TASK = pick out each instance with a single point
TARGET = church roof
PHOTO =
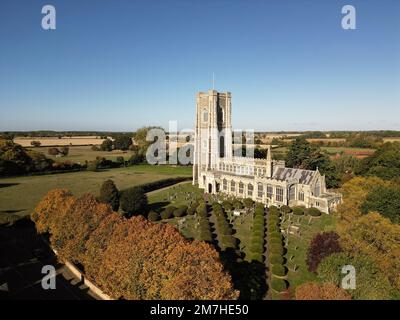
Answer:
(304, 176)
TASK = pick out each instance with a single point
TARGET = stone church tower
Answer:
(213, 131)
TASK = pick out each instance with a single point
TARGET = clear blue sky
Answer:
(122, 64)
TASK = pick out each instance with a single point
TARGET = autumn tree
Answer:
(50, 209)
(109, 194)
(131, 259)
(324, 291)
(83, 217)
(377, 237)
(354, 193)
(321, 246)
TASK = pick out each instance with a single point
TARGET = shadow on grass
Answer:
(6, 185)
(248, 277)
(12, 211)
(158, 206)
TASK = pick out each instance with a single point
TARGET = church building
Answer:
(216, 169)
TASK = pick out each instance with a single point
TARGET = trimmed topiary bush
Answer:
(229, 241)
(180, 211)
(298, 211)
(278, 285)
(256, 257)
(202, 210)
(286, 209)
(314, 212)
(278, 270)
(227, 205)
(275, 259)
(276, 249)
(109, 194)
(134, 202)
(166, 215)
(153, 216)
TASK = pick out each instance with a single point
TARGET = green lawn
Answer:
(243, 225)
(20, 195)
(180, 194)
(298, 245)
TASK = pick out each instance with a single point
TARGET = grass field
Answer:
(82, 153)
(298, 246)
(20, 195)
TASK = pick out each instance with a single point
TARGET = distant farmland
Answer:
(62, 141)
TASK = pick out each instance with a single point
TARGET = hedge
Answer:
(275, 234)
(256, 257)
(276, 249)
(278, 285)
(205, 235)
(278, 270)
(202, 210)
(275, 241)
(229, 241)
(314, 212)
(276, 259)
(153, 216)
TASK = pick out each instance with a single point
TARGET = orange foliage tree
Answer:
(131, 259)
(324, 291)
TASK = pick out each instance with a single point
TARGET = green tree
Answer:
(122, 142)
(384, 163)
(299, 151)
(109, 194)
(134, 202)
(385, 200)
(106, 145)
(371, 283)
(64, 150)
(303, 155)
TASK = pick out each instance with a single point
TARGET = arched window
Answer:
(233, 186)
(225, 184)
(241, 185)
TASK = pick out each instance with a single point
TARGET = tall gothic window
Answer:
(301, 196)
(270, 191)
(225, 184)
(260, 190)
(317, 189)
(250, 190)
(241, 187)
(279, 194)
(233, 186)
(292, 192)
